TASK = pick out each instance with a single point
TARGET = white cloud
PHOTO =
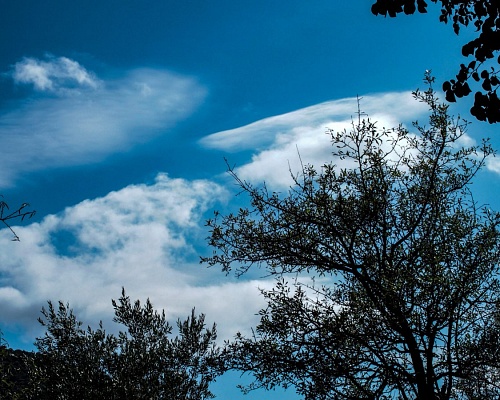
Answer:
(85, 119)
(54, 75)
(493, 164)
(140, 237)
(392, 108)
(279, 140)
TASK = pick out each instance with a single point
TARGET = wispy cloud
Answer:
(281, 142)
(141, 237)
(83, 119)
(390, 108)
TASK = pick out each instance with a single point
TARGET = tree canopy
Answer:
(484, 15)
(387, 269)
(142, 362)
(13, 371)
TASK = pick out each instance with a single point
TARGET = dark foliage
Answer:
(143, 362)
(484, 16)
(14, 376)
(387, 270)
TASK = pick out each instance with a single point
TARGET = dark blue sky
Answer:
(255, 59)
(227, 41)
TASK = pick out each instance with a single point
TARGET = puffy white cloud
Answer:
(84, 119)
(54, 75)
(282, 141)
(142, 238)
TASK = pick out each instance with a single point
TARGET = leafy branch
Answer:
(6, 215)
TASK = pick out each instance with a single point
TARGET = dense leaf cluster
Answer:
(403, 303)
(14, 377)
(142, 362)
(484, 16)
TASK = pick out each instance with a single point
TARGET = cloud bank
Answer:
(281, 142)
(74, 118)
(142, 238)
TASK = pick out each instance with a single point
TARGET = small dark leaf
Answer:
(422, 6)
(446, 86)
(488, 23)
(493, 115)
(450, 97)
(468, 49)
(486, 85)
(479, 9)
(475, 76)
(480, 99)
(462, 75)
(494, 80)
(409, 8)
(480, 54)
(377, 10)
(478, 112)
(466, 89)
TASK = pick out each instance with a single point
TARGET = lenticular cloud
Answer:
(281, 144)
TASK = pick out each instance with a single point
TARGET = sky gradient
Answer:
(116, 117)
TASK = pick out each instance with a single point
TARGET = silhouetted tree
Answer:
(392, 267)
(6, 216)
(143, 362)
(484, 15)
(13, 374)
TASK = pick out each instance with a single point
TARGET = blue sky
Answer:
(116, 116)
